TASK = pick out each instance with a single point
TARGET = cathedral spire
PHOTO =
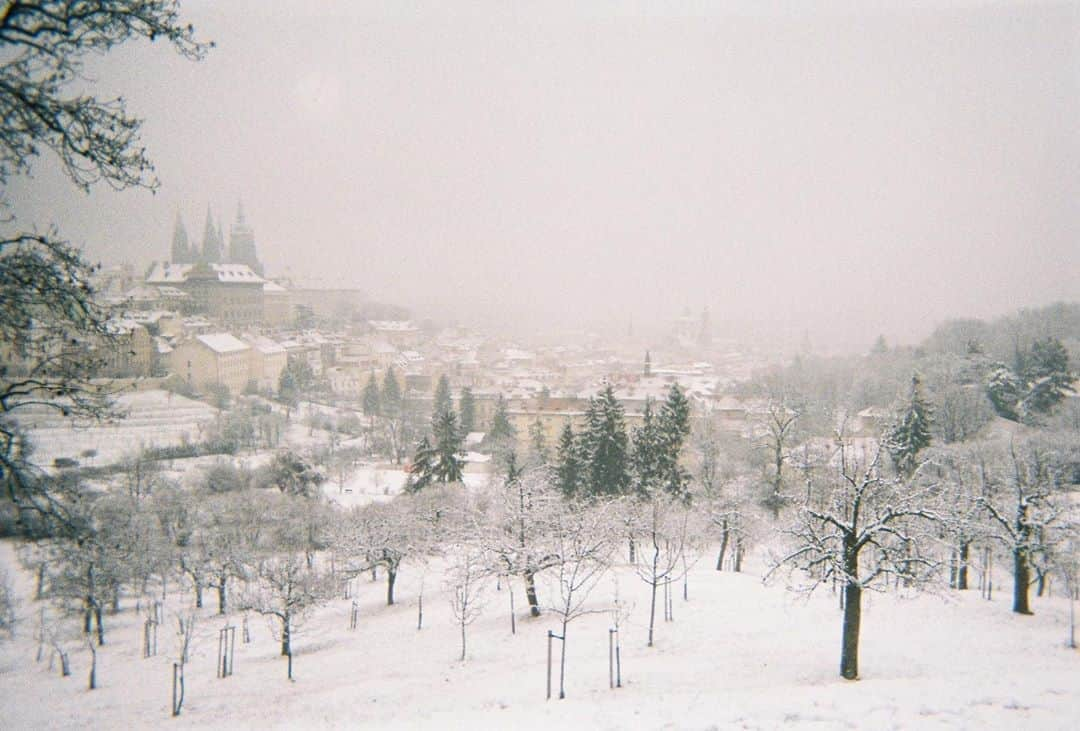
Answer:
(211, 248)
(181, 251)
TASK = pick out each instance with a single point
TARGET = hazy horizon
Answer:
(844, 172)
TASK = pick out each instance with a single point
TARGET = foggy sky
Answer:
(857, 169)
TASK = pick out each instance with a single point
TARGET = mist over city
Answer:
(844, 169)
(535, 365)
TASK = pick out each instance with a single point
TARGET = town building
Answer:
(208, 360)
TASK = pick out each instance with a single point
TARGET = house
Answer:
(208, 360)
(266, 360)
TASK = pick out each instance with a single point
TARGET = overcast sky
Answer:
(858, 168)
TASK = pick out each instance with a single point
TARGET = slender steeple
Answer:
(181, 250)
(242, 242)
(211, 248)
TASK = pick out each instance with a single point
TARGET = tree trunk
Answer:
(530, 593)
(632, 550)
(652, 612)
(1040, 582)
(723, 545)
(562, 664)
(222, 593)
(100, 626)
(391, 577)
(198, 595)
(738, 554)
(1021, 580)
(286, 636)
(39, 588)
(463, 641)
(849, 651)
(962, 571)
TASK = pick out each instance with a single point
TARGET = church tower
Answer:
(242, 243)
(181, 249)
(211, 248)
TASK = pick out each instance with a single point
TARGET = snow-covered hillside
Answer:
(738, 655)
(152, 418)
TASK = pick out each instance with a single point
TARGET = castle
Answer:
(241, 249)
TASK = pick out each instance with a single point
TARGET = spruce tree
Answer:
(370, 401)
(390, 398)
(449, 466)
(910, 434)
(467, 410)
(538, 450)
(646, 458)
(422, 471)
(606, 444)
(442, 402)
(1046, 370)
(502, 434)
(674, 428)
(568, 467)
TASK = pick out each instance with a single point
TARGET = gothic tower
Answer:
(181, 250)
(242, 243)
(211, 248)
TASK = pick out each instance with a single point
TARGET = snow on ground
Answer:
(738, 655)
(378, 483)
(154, 418)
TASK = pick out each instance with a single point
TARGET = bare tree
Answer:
(465, 583)
(283, 586)
(860, 528)
(666, 526)
(1026, 505)
(779, 422)
(583, 541)
(517, 533)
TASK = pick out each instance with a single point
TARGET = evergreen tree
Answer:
(502, 434)
(606, 444)
(422, 471)
(1004, 389)
(568, 468)
(370, 402)
(646, 458)
(538, 450)
(442, 402)
(287, 390)
(1039, 382)
(449, 466)
(910, 434)
(467, 410)
(1046, 370)
(390, 398)
(674, 428)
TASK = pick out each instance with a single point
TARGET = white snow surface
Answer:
(154, 418)
(738, 655)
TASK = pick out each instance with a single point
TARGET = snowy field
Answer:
(154, 418)
(378, 484)
(737, 655)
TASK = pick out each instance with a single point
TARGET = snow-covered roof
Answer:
(163, 272)
(222, 342)
(264, 345)
(273, 288)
